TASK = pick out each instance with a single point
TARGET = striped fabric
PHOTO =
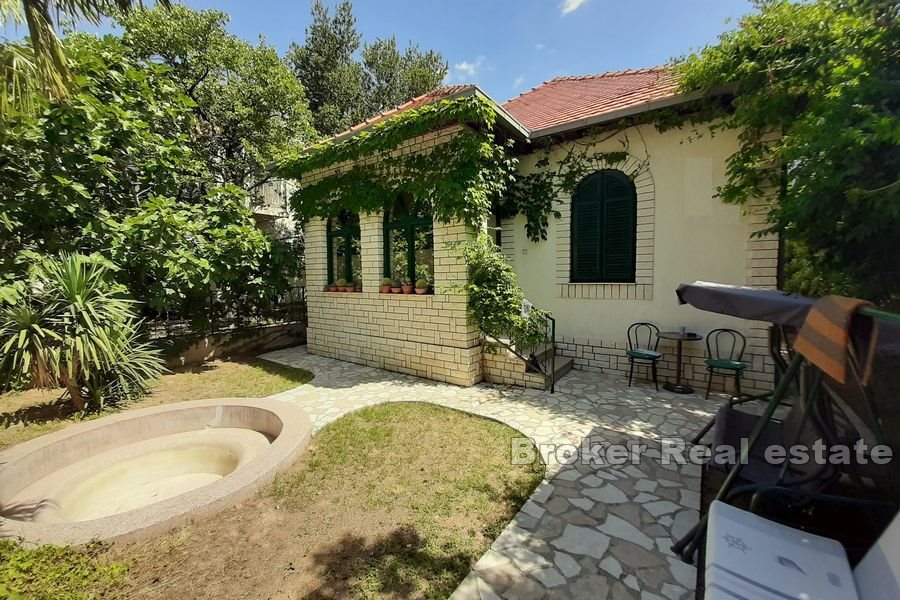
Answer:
(833, 331)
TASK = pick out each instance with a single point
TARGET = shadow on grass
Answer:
(394, 565)
(45, 412)
(294, 374)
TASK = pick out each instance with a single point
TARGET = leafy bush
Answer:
(56, 572)
(67, 326)
(115, 170)
(495, 298)
(171, 252)
(825, 74)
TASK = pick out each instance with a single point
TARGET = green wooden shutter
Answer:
(604, 223)
(619, 228)
(586, 226)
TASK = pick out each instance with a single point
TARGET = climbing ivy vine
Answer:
(462, 179)
(459, 179)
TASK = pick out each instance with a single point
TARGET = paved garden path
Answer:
(589, 530)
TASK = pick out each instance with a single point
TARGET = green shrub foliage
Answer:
(67, 325)
(495, 297)
(825, 74)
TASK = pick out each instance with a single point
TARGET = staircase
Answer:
(535, 367)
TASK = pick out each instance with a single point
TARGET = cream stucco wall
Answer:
(684, 234)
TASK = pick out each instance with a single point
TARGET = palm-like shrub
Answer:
(68, 326)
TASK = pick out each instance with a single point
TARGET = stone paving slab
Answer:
(590, 529)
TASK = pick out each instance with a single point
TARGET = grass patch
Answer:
(57, 573)
(30, 414)
(393, 501)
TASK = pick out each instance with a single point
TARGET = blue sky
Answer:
(510, 46)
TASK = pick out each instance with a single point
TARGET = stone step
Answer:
(563, 365)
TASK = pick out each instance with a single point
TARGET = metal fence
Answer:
(217, 315)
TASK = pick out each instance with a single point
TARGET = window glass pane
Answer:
(424, 237)
(344, 247)
(340, 249)
(356, 262)
(399, 254)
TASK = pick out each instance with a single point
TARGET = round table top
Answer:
(687, 336)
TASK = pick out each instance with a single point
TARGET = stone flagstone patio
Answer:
(589, 530)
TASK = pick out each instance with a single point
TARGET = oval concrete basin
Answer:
(143, 471)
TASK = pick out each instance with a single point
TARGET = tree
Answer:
(41, 66)
(112, 171)
(68, 325)
(174, 252)
(825, 74)
(393, 78)
(344, 89)
(249, 107)
(120, 137)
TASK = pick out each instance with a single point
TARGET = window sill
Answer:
(429, 294)
(605, 291)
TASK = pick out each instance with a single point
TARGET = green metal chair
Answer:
(643, 340)
(725, 348)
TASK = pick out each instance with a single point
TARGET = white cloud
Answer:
(468, 70)
(518, 82)
(539, 46)
(569, 6)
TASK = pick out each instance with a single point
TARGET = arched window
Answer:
(343, 248)
(604, 229)
(408, 241)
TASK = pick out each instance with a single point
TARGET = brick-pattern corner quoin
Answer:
(642, 289)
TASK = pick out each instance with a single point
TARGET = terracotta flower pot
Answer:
(333, 288)
(407, 289)
(396, 290)
(385, 289)
(421, 290)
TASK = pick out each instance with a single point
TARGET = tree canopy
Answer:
(249, 107)
(40, 67)
(348, 81)
(825, 75)
(112, 170)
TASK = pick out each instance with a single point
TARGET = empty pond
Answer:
(143, 471)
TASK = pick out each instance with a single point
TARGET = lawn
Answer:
(393, 501)
(34, 413)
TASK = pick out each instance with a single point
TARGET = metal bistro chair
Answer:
(643, 340)
(725, 349)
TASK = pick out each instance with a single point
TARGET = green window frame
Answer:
(344, 230)
(604, 229)
(410, 223)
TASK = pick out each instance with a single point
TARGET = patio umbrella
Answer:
(758, 304)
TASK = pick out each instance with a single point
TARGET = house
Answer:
(642, 219)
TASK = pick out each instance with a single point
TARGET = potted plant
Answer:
(332, 287)
(358, 286)
(395, 286)
(386, 285)
(407, 286)
(350, 287)
(422, 286)
(342, 285)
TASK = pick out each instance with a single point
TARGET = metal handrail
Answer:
(529, 357)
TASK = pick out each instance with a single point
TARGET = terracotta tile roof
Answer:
(434, 95)
(566, 99)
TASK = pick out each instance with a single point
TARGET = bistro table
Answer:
(680, 386)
